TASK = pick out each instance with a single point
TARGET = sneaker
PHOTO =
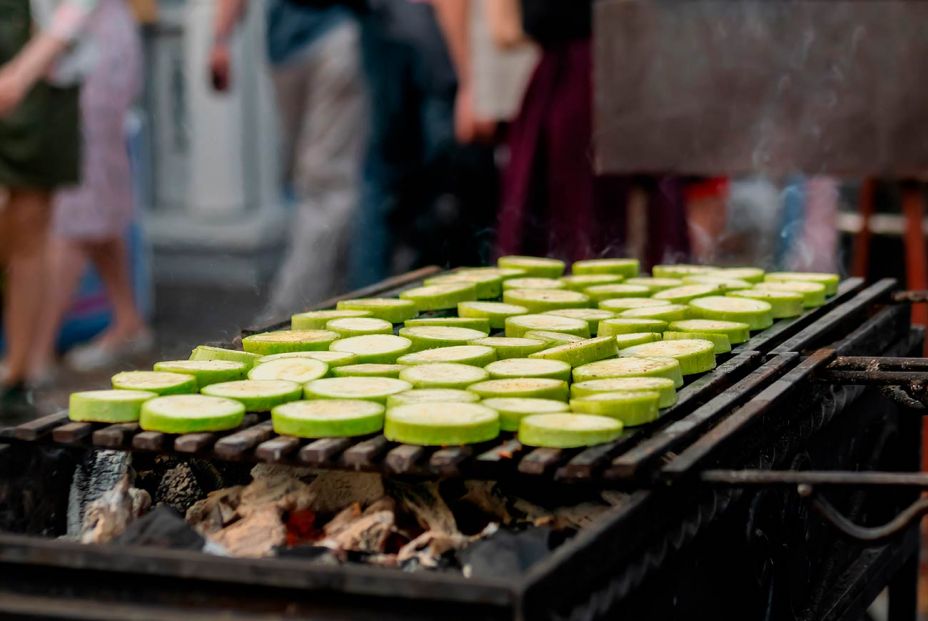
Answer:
(93, 356)
(16, 405)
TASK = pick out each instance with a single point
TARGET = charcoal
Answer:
(505, 553)
(109, 515)
(425, 502)
(162, 527)
(254, 536)
(333, 491)
(179, 488)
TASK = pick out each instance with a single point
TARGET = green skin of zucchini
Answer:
(343, 358)
(783, 305)
(368, 370)
(449, 298)
(685, 293)
(288, 422)
(481, 324)
(375, 357)
(531, 434)
(316, 320)
(552, 339)
(321, 389)
(691, 363)
(619, 305)
(810, 299)
(262, 403)
(397, 311)
(516, 328)
(635, 338)
(481, 359)
(626, 268)
(498, 370)
(548, 269)
(722, 345)
(534, 301)
(256, 344)
(427, 432)
(487, 287)
(204, 377)
(656, 284)
(466, 376)
(185, 385)
(206, 352)
(496, 318)
(545, 389)
(512, 411)
(632, 408)
(422, 341)
(584, 352)
(590, 315)
(87, 407)
(620, 325)
(830, 281)
(736, 334)
(345, 332)
(755, 320)
(432, 395)
(153, 420)
(669, 368)
(582, 281)
(671, 312)
(504, 352)
(612, 292)
(661, 385)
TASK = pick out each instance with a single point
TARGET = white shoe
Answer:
(93, 356)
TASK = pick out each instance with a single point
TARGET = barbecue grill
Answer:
(781, 485)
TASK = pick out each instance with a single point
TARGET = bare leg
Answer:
(111, 260)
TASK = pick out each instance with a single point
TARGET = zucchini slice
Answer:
(627, 268)
(505, 273)
(441, 424)
(533, 283)
(432, 395)
(487, 286)
(528, 367)
(541, 300)
(494, 312)
(206, 372)
(721, 342)
(107, 406)
(618, 305)
(723, 284)
(552, 339)
(694, 355)
(682, 295)
(512, 410)
(630, 367)
(783, 304)
(590, 315)
(369, 369)
(440, 297)
(506, 347)
(813, 293)
(579, 282)
(432, 337)
(580, 353)
(476, 354)
(257, 395)
(736, 331)
(671, 312)
(365, 388)
(568, 430)
(750, 274)
(443, 375)
(661, 385)
(756, 313)
(474, 323)
(380, 348)
(829, 280)
(633, 408)
(388, 309)
(299, 370)
(540, 387)
(359, 326)
(655, 284)
(316, 320)
(281, 341)
(158, 382)
(533, 266)
(191, 414)
(628, 325)
(599, 293)
(636, 338)
(331, 358)
(680, 270)
(208, 352)
(328, 418)
(520, 324)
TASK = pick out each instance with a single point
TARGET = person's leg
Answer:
(111, 260)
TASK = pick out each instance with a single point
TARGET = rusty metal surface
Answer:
(717, 87)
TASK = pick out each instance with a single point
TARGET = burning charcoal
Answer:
(505, 553)
(301, 527)
(179, 488)
(486, 496)
(216, 511)
(97, 473)
(342, 520)
(256, 535)
(333, 491)
(110, 514)
(368, 533)
(426, 504)
(280, 486)
(162, 527)
(428, 548)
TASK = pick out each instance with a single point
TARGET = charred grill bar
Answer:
(713, 522)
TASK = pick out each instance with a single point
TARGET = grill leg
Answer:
(903, 591)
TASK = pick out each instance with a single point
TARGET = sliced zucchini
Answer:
(158, 382)
(829, 280)
(736, 331)
(682, 295)
(441, 424)
(487, 286)
(630, 367)
(671, 312)
(432, 395)
(813, 293)
(316, 320)
(534, 283)
(540, 387)
(328, 418)
(680, 270)
(440, 297)
(506, 347)
(694, 355)
(756, 313)
(206, 372)
(365, 388)
(533, 266)
(478, 354)
(655, 284)
(598, 293)
(208, 352)
(661, 385)
(632, 408)
(617, 305)
(636, 338)
(299, 370)
(541, 300)
(369, 369)
(627, 268)
(267, 343)
(628, 325)
(505, 273)
(257, 395)
(512, 410)
(583, 352)
(551, 339)
(528, 367)
(331, 358)
(494, 312)
(443, 375)
(388, 309)
(783, 304)
(579, 282)
(568, 430)
(359, 326)
(191, 414)
(721, 342)
(432, 337)
(474, 323)
(107, 406)
(723, 284)
(590, 315)
(520, 324)
(750, 274)
(379, 348)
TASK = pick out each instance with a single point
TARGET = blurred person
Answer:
(313, 48)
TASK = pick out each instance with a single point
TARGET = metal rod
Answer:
(814, 478)
(841, 376)
(870, 534)
(910, 297)
(878, 363)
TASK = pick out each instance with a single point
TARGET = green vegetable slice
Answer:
(723, 284)
(618, 305)
(721, 342)
(440, 297)
(519, 325)
(541, 300)
(494, 312)
(783, 304)
(632, 408)
(316, 320)
(655, 284)
(829, 280)
(628, 325)
(600, 293)
(328, 418)
(205, 372)
(671, 312)
(441, 424)
(487, 286)
(431, 337)
(630, 367)
(369, 369)
(432, 395)
(755, 313)
(627, 268)
(682, 295)
(540, 387)
(208, 352)
(750, 274)
(512, 410)
(158, 382)
(813, 293)
(443, 375)
(380, 348)
(299, 370)
(661, 385)
(477, 354)
(534, 283)
(365, 388)
(505, 273)
(694, 355)
(359, 326)
(579, 282)
(580, 353)
(257, 395)
(191, 414)
(107, 406)
(528, 367)
(388, 309)
(635, 338)
(736, 331)
(533, 266)
(506, 347)
(474, 323)
(331, 358)
(568, 430)
(680, 270)
(590, 315)
(267, 343)
(551, 339)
